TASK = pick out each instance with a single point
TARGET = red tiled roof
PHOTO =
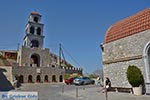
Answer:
(129, 26)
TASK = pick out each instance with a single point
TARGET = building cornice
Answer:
(122, 59)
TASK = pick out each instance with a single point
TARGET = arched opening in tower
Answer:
(34, 43)
(36, 19)
(32, 30)
(35, 60)
(38, 31)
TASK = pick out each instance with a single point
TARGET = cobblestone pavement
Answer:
(71, 92)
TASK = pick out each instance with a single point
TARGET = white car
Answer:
(83, 81)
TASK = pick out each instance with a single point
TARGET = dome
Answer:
(35, 13)
(129, 26)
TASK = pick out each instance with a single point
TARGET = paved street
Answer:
(69, 92)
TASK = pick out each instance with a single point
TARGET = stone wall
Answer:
(73, 70)
(25, 53)
(118, 55)
(126, 47)
(34, 71)
(117, 71)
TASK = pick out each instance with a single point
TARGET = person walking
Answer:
(107, 85)
(98, 81)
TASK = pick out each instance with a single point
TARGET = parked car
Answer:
(69, 81)
(83, 81)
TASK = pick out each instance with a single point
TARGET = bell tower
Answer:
(34, 31)
(34, 62)
(32, 53)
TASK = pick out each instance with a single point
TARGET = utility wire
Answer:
(73, 59)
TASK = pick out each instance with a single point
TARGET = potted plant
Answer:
(135, 78)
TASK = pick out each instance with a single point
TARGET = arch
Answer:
(30, 79)
(38, 78)
(32, 29)
(36, 19)
(60, 78)
(38, 31)
(53, 78)
(21, 77)
(35, 60)
(53, 66)
(34, 43)
(146, 59)
(46, 78)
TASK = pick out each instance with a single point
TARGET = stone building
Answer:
(32, 62)
(127, 42)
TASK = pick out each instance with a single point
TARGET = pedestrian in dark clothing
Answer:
(107, 85)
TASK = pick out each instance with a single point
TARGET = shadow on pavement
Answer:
(5, 84)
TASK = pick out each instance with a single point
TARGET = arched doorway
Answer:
(21, 78)
(60, 78)
(38, 79)
(46, 78)
(146, 59)
(35, 60)
(30, 79)
(54, 78)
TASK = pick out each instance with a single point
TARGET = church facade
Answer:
(32, 62)
(127, 42)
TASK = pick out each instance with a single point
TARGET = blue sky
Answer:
(79, 25)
